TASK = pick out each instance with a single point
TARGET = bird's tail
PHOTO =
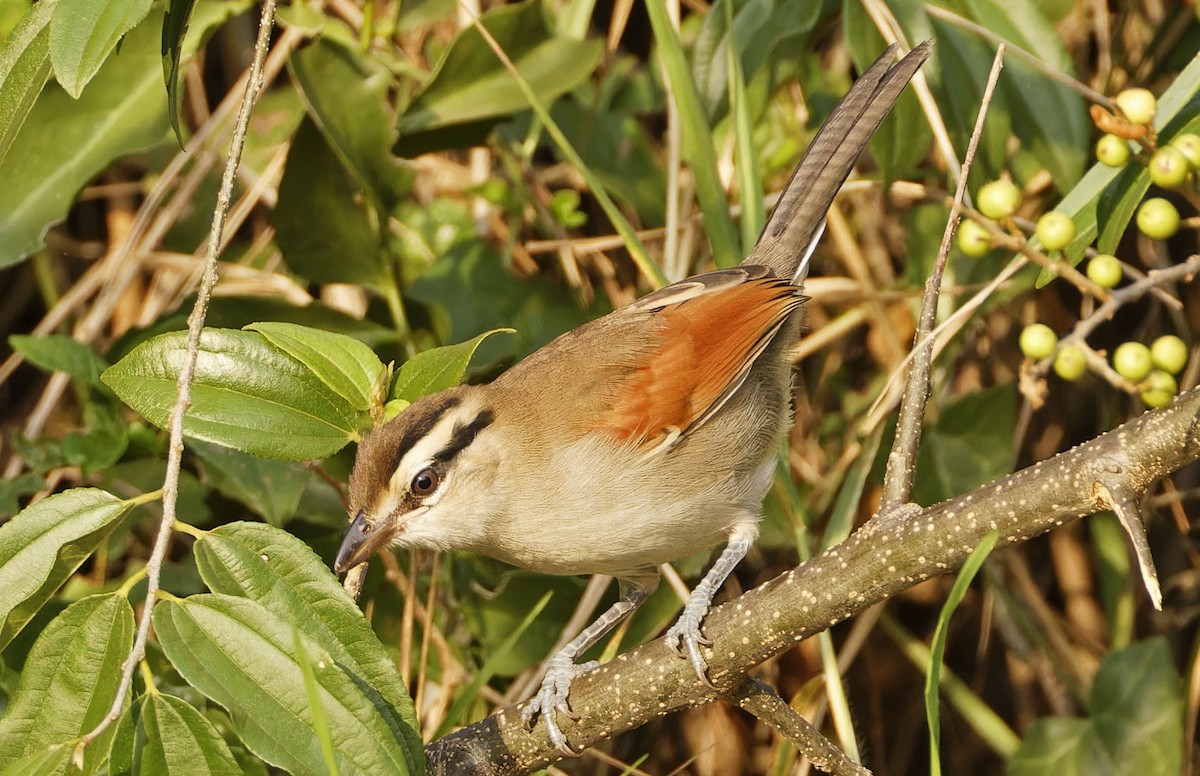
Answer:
(787, 241)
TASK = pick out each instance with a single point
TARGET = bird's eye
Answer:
(425, 483)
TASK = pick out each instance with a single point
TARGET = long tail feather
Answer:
(792, 232)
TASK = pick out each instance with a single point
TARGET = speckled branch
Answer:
(887, 555)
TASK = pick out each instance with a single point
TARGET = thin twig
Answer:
(902, 461)
(763, 702)
(183, 398)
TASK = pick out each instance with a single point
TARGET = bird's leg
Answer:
(561, 669)
(685, 633)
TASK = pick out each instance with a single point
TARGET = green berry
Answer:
(1038, 341)
(1188, 145)
(973, 239)
(1104, 270)
(998, 199)
(1169, 167)
(1159, 389)
(1157, 218)
(1169, 353)
(1138, 105)
(1112, 151)
(1132, 361)
(1070, 363)
(1055, 230)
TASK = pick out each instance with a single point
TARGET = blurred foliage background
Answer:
(397, 188)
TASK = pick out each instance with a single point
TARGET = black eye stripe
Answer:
(420, 429)
(464, 435)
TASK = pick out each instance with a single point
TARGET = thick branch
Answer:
(881, 559)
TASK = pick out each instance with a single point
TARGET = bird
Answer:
(637, 439)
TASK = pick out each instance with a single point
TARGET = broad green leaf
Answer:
(84, 32)
(282, 573)
(615, 149)
(235, 312)
(1135, 723)
(70, 679)
(163, 735)
(42, 546)
(64, 142)
(698, 148)
(48, 762)
(60, 353)
(346, 92)
(175, 24)
(261, 685)
(471, 87)
(346, 366)
(325, 232)
(474, 293)
(969, 446)
(437, 369)
(272, 489)
(24, 68)
(1050, 119)
(246, 395)
(758, 27)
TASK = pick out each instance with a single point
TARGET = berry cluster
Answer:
(1175, 165)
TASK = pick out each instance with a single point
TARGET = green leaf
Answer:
(437, 369)
(970, 445)
(164, 735)
(325, 232)
(1050, 119)
(346, 366)
(70, 679)
(698, 148)
(64, 142)
(48, 762)
(60, 353)
(475, 293)
(933, 679)
(758, 27)
(346, 92)
(247, 395)
(1135, 723)
(43, 545)
(261, 685)
(277, 570)
(84, 32)
(615, 149)
(272, 489)
(175, 25)
(471, 88)
(24, 68)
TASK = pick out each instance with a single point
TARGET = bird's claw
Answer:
(551, 700)
(685, 633)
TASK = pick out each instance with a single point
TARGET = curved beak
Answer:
(360, 541)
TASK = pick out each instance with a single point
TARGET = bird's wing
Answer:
(712, 328)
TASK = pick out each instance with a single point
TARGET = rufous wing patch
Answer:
(708, 344)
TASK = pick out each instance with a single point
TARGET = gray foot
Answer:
(551, 700)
